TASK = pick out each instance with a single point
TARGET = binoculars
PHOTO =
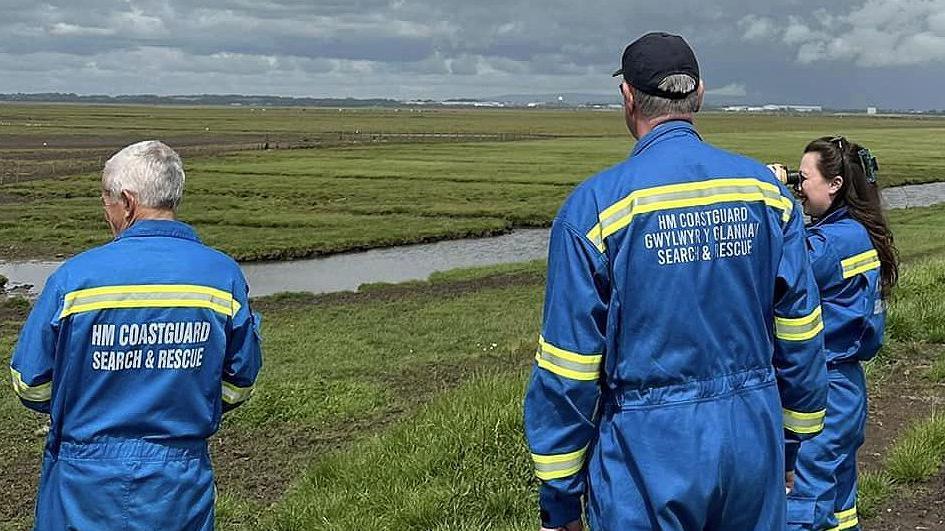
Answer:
(787, 176)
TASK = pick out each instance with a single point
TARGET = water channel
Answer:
(348, 271)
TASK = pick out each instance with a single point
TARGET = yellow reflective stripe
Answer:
(148, 288)
(153, 303)
(233, 394)
(149, 296)
(565, 363)
(799, 328)
(846, 519)
(682, 195)
(596, 237)
(860, 263)
(804, 423)
(556, 466)
(34, 393)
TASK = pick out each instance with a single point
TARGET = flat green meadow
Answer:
(293, 203)
(399, 406)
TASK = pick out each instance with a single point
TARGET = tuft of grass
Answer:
(919, 453)
(936, 372)
(873, 489)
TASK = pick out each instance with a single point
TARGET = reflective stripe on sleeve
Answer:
(860, 263)
(568, 364)
(556, 466)
(804, 423)
(233, 394)
(799, 328)
(149, 296)
(33, 393)
(846, 519)
(683, 195)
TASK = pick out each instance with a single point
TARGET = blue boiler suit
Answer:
(681, 344)
(135, 349)
(847, 269)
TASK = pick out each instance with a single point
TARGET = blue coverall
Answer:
(135, 349)
(681, 332)
(847, 269)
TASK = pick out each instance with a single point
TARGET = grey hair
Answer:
(151, 170)
(654, 106)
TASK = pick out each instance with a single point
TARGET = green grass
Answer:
(260, 205)
(401, 407)
(918, 308)
(461, 463)
(916, 456)
(337, 369)
(874, 489)
(919, 453)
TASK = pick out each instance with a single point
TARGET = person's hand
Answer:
(779, 171)
(576, 525)
(788, 481)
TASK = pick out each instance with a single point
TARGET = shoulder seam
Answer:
(588, 245)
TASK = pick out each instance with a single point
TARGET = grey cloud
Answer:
(877, 33)
(445, 48)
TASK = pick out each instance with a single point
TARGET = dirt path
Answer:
(923, 508)
(901, 395)
(898, 396)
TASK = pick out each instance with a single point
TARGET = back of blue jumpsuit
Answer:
(847, 269)
(135, 349)
(681, 342)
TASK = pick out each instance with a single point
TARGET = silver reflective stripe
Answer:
(860, 263)
(685, 195)
(149, 296)
(567, 467)
(179, 295)
(799, 328)
(846, 519)
(33, 393)
(682, 195)
(589, 367)
(804, 423)
(566, 363)
(548, 467)
(233, 394)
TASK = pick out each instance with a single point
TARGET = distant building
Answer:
(871, 110)
(774, 108)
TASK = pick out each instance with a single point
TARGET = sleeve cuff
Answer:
(558, 510)
(791, 449)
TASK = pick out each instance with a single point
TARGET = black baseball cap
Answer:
(648, 60)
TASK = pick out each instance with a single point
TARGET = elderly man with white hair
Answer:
(135, 349)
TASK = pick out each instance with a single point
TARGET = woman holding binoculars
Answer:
(856, 265)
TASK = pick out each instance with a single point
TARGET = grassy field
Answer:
(400, 406)
(404, 402)
(281, 204)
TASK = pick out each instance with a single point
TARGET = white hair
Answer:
(655, 106)
(149, 169)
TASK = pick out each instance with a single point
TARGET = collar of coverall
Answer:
(670, 129)
(159, 227)
(835, 214)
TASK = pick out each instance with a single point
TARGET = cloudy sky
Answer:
(850, 53)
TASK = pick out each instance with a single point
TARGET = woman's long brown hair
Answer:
(838, 156)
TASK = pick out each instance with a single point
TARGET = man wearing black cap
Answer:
(682, 343)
